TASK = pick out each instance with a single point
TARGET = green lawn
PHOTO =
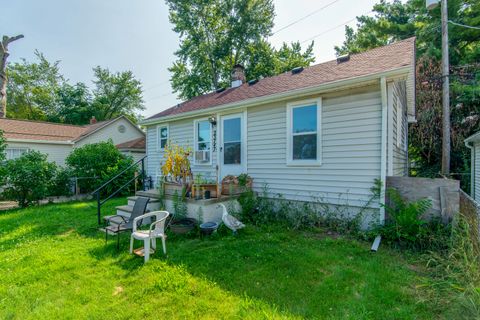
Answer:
(55, 265)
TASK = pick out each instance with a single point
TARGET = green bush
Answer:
(98, 163)
(406, 227)
(62, 183)
(29, 178)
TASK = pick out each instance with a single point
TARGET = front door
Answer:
(232, 145)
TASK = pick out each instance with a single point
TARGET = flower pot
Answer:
(233, 189)
(183, 226)
(170, 188)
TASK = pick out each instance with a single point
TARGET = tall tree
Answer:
(3, 71)
(395, 21)
(116, 94)
(214, 36)
(74, 104)
(33, 89)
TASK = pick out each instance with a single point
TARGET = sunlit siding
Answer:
(112, 132)
(180, 133)
(476, 179)
(55, 152)
(399, 129)
(351, 139)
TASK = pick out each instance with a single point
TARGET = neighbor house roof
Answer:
(136, 144)
(48, 131)
(376, 61)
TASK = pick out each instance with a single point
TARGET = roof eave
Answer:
(281, 96)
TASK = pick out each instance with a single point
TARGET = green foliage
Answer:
(397, 20)
(38, 91)
(29, 178)
(216, 35)
(116, 94)
(98, 163)
(180, 204)
(32, 88)
(407, 226)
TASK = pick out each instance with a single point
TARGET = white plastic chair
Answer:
(156, 230)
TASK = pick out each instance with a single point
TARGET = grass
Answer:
(54, 264)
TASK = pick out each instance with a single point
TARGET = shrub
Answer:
(29, 178)
(99, 162)
(406, 227)
(62, 183)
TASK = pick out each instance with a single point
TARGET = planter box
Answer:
(212, 187)
(232, 189)
(169, 188)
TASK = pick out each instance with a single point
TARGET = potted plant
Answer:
(235, 185)
(176, 170)
(181, 224)
(204, 188)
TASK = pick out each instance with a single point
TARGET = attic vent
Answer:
(252, 82)
(343, 58)
(220, 90)
(297, 70)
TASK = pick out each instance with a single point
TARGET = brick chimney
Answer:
(238, 75)
(93, 120)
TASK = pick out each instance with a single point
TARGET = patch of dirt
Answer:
(322, 234)
(7, 205)
(117, 291)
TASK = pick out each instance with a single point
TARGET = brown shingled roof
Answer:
(137, 144)
(38, 130)
(394, 56)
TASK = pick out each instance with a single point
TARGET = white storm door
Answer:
(232, 145)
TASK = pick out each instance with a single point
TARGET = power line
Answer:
(463, 25)
(304, 17)
(156, 85)
(161, 96)
(331, 29)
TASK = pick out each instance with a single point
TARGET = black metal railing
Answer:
(98, 191)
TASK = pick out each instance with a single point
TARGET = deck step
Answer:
(134, 198)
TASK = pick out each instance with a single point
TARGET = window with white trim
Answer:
(162, 134)
(14, 153)
(203, 141)
(303, 132)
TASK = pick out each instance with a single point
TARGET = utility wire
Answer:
(331, 29)
(305, 17)
(157, 85)
(463, 25)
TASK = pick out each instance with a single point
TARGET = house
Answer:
(58, 140)
(322, 133)
(473, 143)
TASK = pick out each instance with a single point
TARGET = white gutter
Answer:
(70, 143)
(281, 96)
(383, 155)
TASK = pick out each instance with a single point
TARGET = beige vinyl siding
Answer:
(400, 123)
(181, 133)
(56, 152)
(111, 132)
(476, 172)
(351, 143)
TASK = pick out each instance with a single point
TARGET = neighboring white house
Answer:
(473, 143)
(325, 132)
(58, 140)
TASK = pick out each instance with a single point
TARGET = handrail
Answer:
(118, 175)
(97, 191)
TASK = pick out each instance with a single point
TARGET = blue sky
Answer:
(136, 35)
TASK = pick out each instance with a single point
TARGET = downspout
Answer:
(390, 142)
(472, 168)
(383, 155)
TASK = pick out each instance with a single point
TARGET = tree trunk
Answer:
(3, 72)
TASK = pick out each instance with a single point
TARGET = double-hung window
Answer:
(203, 142)
(162, 137)
(14, 153)
(304, 132)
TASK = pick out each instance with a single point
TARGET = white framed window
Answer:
(203, 142)
(162, 136)
(14, 153)
(304, 140)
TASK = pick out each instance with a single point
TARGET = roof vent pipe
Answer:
(238, 75)
(343, 58)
